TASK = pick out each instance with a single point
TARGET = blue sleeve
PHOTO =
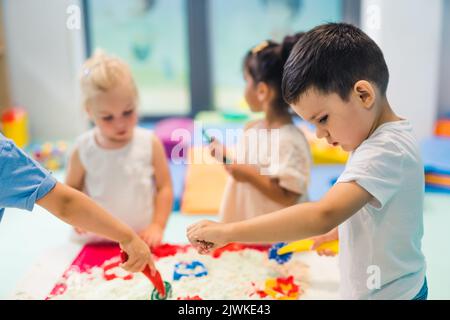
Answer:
(22, 180)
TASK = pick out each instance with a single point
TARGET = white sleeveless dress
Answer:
(120, 180)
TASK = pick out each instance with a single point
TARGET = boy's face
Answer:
(343, 123)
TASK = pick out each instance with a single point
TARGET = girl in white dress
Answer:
(271, 167)
(119, 165)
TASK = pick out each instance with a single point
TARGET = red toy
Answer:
(155, 279)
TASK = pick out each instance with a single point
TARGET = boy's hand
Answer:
(241, 172)
(206, 236)
(138, 255)
(217, 150)
(330, 236)
(152, 235)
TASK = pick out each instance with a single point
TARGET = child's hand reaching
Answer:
(330, 236)
(152, 235)
(217, 150)
(206, 236)
(241, 172)
(138, 255)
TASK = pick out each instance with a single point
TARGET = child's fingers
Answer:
(195, 226)
(193, 231)
(132, 265)
(329, 253)
(193, 242)
(207, 250)
(326, 252)
(155, 241)
(142, 234)
(146, 238)
(148, 241)
(203, 250)
(317, 241)
(229, 169)
(191, 234)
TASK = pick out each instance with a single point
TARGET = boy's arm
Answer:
(75, 174)
(163, 197)
(77, 209)
(75, 171)
(297, 222)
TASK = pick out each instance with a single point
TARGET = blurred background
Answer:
(187, 55)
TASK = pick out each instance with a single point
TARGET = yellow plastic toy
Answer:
(15, 126)
(306, 244)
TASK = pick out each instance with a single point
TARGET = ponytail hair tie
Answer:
(260, 47)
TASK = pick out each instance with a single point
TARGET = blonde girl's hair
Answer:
(101, 73)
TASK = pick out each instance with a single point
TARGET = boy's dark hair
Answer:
(265, 62)
(332, 58)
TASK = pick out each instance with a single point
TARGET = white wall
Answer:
(409, 33)
(444, 82)
(44, 59)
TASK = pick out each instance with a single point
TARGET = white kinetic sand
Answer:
(231, 276)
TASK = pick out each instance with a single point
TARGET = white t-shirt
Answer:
(384, 237)
(120, 180)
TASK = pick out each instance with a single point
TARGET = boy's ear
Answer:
(262, 91)
(365, 92)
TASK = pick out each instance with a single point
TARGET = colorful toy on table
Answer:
(279, 258)
(51, 156)
(282, 252)
(156, 295)
(280, 289)
(14, 124)
(189, 269)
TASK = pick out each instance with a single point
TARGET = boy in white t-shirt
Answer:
(336, 78)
